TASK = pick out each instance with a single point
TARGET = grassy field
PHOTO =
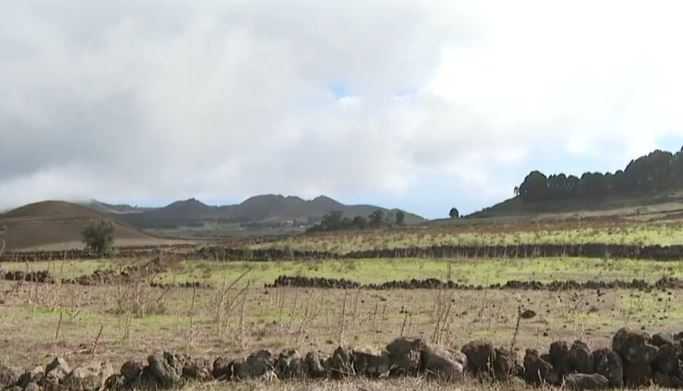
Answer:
(39, 320)
(466, 271)
(235, 316)
(137, 320)
(571, 232)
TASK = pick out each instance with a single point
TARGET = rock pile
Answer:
(524, 250)
(635, 359)
(129, 274)
(434, 283)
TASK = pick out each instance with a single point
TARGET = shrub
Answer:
(98, 236)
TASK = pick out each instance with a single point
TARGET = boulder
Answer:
(60, 363)
(504, 365)
(261, 364)
(480, 357)
(315, 366)
(175, 362)
(131, 371)
(166, 374)
(582, 381)
(35, 375)
(147, 379)
(441, 364)
(634, 347)
(580, 358)
(637, 375)
(661, 339)
(32, 387)
(290, 365)
(55, 372)
(239, 369)
(668, 381)
(666, 360)
(89, 377)
(559, 357)
(608, 363)
(8, 377)
(221, 369)
(536, 369)
(371, 363)
(115, 382)
(197, 369)
(404, 354)
(341, 364)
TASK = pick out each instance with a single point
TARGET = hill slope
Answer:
(653, 179)
(56, 222)
(258, 210)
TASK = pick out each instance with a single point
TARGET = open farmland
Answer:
(317, 292)
(575, 231)
(233, 313)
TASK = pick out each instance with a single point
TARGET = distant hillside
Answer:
(263, 210)
(651, 179)
(56, 222)
(116, 208)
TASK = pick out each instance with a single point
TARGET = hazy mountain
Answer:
(116, 208)
(261, 209)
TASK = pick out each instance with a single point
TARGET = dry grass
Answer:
(407, 384)
(486, 232)
(37, 320)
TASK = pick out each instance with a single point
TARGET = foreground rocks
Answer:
(635, 359)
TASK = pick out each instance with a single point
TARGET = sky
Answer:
(421, 105)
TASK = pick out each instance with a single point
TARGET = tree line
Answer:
(335, 221)
(655, 172)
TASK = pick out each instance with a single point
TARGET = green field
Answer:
(465, 271)
(469, 234)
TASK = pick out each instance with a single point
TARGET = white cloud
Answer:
(166, 99)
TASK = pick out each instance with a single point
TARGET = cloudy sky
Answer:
(421, 104)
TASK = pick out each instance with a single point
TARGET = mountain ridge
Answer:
(273, 209)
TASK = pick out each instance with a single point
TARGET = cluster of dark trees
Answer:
(335, 221)
(658, 171)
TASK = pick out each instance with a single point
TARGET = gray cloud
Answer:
(148, 100)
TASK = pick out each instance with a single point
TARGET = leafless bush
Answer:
(3, 229)
(225, 302)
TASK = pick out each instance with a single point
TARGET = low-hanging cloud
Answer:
(156, 100)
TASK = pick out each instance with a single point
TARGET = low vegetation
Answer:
(98, 236)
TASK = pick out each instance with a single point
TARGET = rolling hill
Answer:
(50, 223)
(650, 186)
(262, 210)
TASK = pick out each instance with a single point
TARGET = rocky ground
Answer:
(635, 359)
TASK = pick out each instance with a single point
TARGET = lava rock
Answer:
(89, 377)
(373, 364)
(314, 364)
(290, 365)
(165, 372)
(261, 364)
(480, 357)
(131, 371)
(441, 364)
(221, 369)
(404, 354)
(582, 381)
(580, 358)
(637, 375)
(609, 364)
(341, 364)
(536, 369)
(559, 357)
